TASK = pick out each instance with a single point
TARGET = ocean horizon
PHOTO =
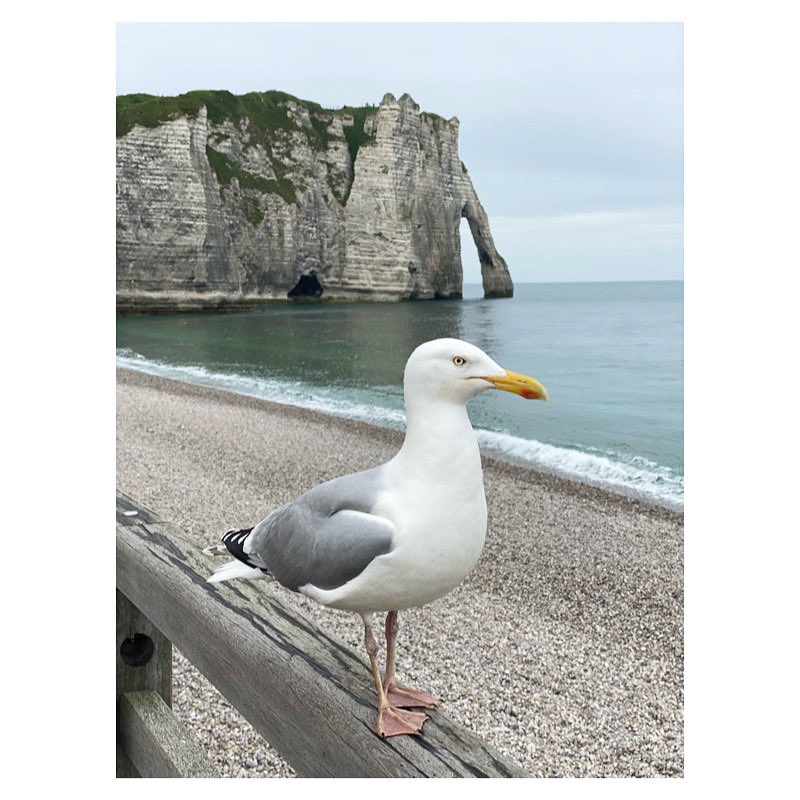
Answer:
(609, 353)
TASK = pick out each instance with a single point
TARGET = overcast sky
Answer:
(572, 132)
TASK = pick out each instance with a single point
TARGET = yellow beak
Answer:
(526, 387)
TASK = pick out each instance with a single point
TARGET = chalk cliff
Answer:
(225, 200)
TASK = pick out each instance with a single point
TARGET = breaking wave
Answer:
(632, 475)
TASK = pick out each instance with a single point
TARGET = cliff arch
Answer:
(494, 270)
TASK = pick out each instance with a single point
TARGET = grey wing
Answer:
(327, 536)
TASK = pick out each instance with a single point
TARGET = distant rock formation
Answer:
(225, 200)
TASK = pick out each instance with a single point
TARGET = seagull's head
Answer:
(456, 371)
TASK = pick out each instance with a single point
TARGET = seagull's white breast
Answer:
(436, 501)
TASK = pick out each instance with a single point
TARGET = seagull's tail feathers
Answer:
(245, 564)
(236, 569)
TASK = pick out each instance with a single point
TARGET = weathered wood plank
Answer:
(308, 695)
(155, 741)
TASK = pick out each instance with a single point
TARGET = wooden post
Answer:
(144, 654)
(151, 742)
(147, 664)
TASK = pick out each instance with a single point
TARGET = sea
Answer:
(609, 354)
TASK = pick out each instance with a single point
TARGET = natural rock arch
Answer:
(494, 270)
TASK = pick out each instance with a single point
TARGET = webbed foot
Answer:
(396, 722)
(405, 697)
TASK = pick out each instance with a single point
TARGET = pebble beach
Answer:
(564, 647)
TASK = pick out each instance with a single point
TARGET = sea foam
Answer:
(631, 475)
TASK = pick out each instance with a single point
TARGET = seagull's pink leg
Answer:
(400, 696)
(392, 721)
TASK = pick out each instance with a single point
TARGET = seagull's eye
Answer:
(459, 361)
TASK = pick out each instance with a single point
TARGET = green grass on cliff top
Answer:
(266, 111)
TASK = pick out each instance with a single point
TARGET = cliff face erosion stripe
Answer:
(225, 200)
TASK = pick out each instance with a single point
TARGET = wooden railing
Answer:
(309, 696)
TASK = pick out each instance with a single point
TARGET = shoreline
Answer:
(179, 301)
(494, 460)
(563, 648)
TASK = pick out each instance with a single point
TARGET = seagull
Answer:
(399, 535)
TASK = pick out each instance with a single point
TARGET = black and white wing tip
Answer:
(244, 565)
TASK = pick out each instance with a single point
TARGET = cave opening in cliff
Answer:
(307, 287)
